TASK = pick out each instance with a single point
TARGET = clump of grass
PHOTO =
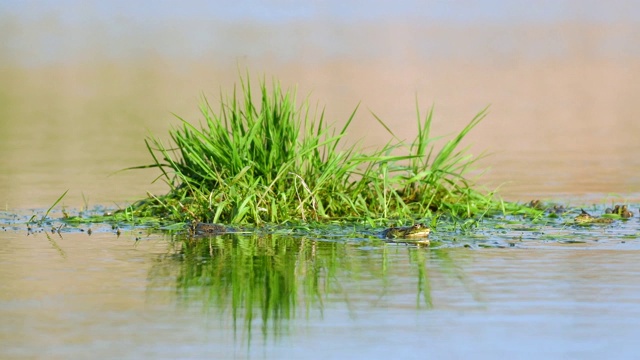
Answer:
(271, 160)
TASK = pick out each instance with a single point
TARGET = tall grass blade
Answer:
(52, 206)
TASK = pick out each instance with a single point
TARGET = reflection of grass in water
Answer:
(424, 285)
(423, 261)
(273, 279)
(267, 274)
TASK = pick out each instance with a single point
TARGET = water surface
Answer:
(146, 295)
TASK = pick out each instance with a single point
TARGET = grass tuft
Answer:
(267, 159)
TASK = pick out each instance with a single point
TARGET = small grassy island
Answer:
(273, 161)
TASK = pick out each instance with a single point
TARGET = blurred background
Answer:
(82, 83)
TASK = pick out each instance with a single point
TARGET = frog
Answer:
(201, 228)
(536, 204)
(417, 231)
(586, 218)
(551, 209)
(620, 210)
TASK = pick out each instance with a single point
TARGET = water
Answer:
(145, 295)
(81, 87)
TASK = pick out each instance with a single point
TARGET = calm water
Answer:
(82, 86)
(76, 295)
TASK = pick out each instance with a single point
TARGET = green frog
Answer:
(549, 208)
(586, 218)
(620, 210)
(406, 232)
(200, 228)
(536, 204)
